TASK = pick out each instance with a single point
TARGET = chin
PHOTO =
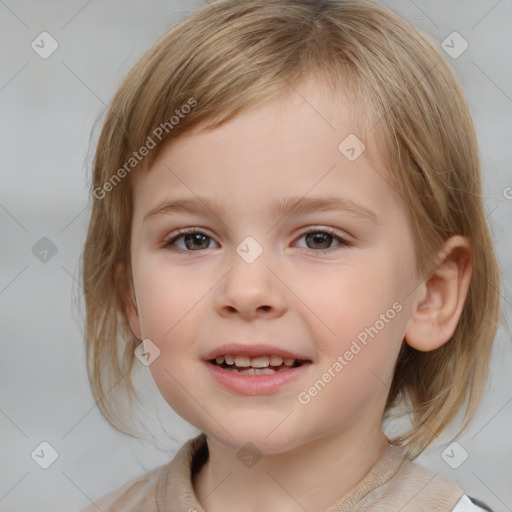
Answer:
(260, 438)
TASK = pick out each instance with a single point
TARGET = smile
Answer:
(261, 365)
(242, 378)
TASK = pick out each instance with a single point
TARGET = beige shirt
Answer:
(393, 484)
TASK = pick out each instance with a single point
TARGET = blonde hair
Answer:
(232, 55)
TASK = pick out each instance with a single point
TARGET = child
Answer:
(288, 229)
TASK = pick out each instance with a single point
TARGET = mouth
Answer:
(255, 369)
(259, 365)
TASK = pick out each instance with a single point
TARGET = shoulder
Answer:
(166, 487)
(427, 489)
(467, 504)
(444, 488)
(131, 496)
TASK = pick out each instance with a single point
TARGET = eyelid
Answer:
(325, 229)
(310, 229)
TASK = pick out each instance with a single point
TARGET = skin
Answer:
(188, 303)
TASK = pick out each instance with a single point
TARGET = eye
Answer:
(322, 238)
(317, 239)
(193, 240)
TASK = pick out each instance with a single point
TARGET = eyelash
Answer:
(169, 242)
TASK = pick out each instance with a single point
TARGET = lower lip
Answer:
(255, 384)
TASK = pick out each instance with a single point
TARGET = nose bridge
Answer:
(250, 286)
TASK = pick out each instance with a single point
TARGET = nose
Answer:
(251, 290)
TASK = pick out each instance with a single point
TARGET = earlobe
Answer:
(441, 297)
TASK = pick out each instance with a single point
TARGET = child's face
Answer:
(205, 291)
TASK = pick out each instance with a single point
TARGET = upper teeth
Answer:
(255, 362)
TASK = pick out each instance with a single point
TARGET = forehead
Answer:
(304, 142)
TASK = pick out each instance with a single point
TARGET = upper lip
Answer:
(252, 350)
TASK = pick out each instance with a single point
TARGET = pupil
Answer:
(196, 238)
(319, 238)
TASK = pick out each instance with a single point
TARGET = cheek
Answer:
(356, 364)
(352, 298)
(166, 297)
(364, 317)
(169, 304)
(180, 390)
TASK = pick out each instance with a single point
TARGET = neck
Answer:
(310, 477)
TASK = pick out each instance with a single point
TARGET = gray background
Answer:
(48, 109)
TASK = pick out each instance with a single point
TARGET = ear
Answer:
(440, 298)
(124, 282)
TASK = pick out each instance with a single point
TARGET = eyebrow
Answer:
(281, 207)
